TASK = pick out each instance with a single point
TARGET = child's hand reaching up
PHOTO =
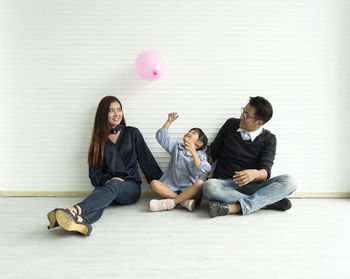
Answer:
(172, 116)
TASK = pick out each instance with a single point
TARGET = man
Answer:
(245, 152)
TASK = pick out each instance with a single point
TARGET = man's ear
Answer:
(260, 122)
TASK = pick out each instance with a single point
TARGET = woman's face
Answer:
(115, 114)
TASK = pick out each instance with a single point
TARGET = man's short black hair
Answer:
(263, 108)
(202, 137)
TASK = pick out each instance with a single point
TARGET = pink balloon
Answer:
(150, 65)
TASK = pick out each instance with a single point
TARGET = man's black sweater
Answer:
(235, 154)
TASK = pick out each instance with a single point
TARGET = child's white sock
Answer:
(172, 201)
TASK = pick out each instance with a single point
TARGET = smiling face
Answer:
(248, 119)
(193, 136)
(115, 114)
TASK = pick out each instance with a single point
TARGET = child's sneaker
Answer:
(189, 204)
(160, 205)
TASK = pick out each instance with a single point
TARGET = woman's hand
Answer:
(172, 116)
(114, 178)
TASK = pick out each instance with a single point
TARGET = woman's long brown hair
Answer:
(101, 131)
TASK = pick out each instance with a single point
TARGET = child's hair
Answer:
(202, 137)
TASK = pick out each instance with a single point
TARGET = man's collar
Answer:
(253, 134)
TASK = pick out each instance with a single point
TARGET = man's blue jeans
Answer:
(252, 196)
(119, 192)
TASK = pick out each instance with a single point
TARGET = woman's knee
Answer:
(128, 197)
(128, 201)
(114, 186)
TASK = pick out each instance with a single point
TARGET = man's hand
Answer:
(244, 177)
(116, 178)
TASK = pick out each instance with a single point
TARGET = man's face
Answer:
(248, 120)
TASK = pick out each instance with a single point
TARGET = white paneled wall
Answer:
(59, 58)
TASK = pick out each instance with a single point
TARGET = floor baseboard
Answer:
(341, 195)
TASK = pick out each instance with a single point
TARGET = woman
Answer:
(114, 152)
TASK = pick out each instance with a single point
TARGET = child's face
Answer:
(194, 137)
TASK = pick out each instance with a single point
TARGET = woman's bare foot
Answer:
(73, 209)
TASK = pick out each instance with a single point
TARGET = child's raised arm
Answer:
(162, 135)
(171, 118)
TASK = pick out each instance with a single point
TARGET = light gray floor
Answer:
(312, 240)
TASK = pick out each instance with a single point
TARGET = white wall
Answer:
(59, 58)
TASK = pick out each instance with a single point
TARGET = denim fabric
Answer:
(120, 192)
(252, 196)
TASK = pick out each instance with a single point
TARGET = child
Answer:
(180, 183)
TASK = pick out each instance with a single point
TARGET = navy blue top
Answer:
(120, 159)
(235, 154)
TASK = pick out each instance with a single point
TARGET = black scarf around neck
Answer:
(116, 129)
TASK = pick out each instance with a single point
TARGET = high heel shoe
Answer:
(68, 221)
(52, 219)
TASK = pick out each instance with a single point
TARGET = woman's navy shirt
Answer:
(120, 159)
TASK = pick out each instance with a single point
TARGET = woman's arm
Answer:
(145, 158)
(99, 175)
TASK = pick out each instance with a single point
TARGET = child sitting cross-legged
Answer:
(180, 183)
